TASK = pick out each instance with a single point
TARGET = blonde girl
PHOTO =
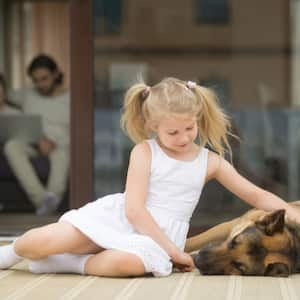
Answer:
(144, 229)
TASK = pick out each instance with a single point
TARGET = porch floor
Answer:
(19, 283)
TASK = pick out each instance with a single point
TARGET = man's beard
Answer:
(47, 92)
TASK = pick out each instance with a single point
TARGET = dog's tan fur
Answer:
(275, 245)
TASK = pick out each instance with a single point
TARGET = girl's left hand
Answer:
(185, 263)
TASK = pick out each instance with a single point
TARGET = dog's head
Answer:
(256, 247)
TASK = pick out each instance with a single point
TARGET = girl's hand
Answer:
(293, 215)
(183, 261)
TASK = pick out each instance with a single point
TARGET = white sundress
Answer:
(174, 190)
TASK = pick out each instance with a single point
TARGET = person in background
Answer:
(5, 109)
(51, 101)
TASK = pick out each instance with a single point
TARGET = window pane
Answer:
(249, 59)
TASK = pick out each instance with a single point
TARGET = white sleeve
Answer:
(63, 140)
(61, 133)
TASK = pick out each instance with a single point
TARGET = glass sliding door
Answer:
(29, 30)
(239, 50)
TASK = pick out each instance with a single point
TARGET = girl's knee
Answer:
(131, 265)
(33, 244)
(114, 263)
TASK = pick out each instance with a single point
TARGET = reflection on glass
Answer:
(34, 107)
(247, 64)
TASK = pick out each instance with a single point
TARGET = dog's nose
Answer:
(194, 257)
(200, 259)
(204, 263)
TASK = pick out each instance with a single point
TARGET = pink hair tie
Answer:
(191, 84)
(146, 92)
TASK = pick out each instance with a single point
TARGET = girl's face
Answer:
(177, 133)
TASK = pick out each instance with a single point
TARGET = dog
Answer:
(257, 243)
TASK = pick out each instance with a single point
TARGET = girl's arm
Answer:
(136, 193)
(225, 173)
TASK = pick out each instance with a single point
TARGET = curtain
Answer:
(36, 27)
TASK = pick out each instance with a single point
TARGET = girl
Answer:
(144, 229)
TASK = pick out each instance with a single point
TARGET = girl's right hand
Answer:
(183, 261)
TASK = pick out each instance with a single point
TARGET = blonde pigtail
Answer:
(133, 120)
(214, 124)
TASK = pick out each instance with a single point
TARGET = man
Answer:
(51, 101)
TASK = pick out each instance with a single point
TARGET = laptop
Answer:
(25, 127)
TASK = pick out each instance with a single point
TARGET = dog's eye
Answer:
(232, 244)
(239, 266)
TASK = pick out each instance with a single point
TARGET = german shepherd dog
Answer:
(257, 243)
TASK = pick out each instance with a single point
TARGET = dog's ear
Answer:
(272, 223)
(277, 270)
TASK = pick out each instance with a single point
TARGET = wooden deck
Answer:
(19, 283)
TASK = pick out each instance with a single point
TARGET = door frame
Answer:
(81, 89)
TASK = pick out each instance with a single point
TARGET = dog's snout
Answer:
(209, 262)
(201, 261)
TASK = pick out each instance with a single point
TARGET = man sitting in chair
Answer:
(50, 100)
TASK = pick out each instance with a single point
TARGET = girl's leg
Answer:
(8, 256)
(111, 263)
(60, 263)
(114, 263)
(54, 238)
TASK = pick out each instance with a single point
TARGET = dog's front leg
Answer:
(218, 232)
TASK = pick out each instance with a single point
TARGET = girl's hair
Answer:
(45, 62)
(145, 106)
